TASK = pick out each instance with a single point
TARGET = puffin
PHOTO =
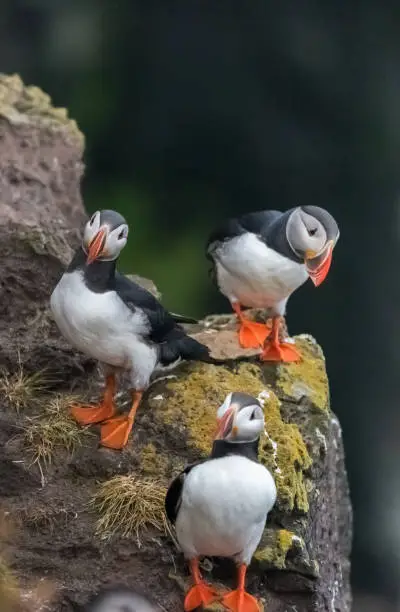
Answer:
(120, 599)
(115, 321)
(261, 258)
(219, 506)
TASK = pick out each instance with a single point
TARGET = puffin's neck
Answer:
(276, 238)
(99, 276)
(222, 448)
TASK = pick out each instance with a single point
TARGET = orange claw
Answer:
(200, 594)
(275, 350)
(239, 600)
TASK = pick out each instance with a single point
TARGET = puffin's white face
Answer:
(312, 234)
(239, 423)
(105, 236)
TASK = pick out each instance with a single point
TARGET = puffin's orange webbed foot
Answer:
(199, 595)
(115, 433)
(274, 349)
(240, 601)
(89, 415)
(252, 334)
(279, 351)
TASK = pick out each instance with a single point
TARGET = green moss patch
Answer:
(30, 105)
(275, 547)
(285, 454)
(192, 401)
(307, 377)
(152, 462)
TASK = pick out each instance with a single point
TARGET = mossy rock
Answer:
(188, 406)
(295, 398)
(29, 105)
(308, 377)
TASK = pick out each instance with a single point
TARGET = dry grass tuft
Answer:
(54, 429)
(129, 505)
(21, 389)
(45, 517)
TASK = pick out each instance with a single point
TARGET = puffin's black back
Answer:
(268, 225)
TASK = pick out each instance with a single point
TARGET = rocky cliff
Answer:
(85, 516)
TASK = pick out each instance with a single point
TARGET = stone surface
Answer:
(41, 218)
(302, 563)
(303, 558)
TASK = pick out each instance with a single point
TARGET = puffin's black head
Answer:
(312, 234)
(120, 599)
(240, 418)
(105, 236)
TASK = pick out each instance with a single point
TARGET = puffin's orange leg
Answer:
(88, 415)
(115, 433)
(239, 600)
(200, 594)
(275, 350)
(251, 333)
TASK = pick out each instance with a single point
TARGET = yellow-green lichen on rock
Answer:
(152, 462)
(285, 454)
(29, 105)
(192, 400)
(275, 546)
(307, 377)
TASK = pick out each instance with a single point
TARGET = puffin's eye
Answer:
(253, 415)
(313, 231)
(92, 219)
(121, 235)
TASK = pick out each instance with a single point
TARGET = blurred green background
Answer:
(194, 111)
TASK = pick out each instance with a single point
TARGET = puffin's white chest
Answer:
(255, 275)
(99, 324)
(224, 507)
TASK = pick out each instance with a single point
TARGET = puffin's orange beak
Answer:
(96, 246)
(318, 265)
(226, 423)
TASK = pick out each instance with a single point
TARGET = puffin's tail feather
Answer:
(182, 318)
(179, 344)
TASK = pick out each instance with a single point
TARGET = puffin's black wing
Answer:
(228, 229)
(257, 223)
(173, 497)
(172, 340)
(161, 321)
